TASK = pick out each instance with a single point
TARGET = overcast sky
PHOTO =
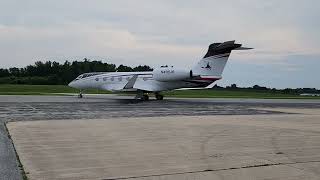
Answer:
(284, 33)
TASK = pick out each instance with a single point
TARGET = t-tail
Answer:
(213, 63)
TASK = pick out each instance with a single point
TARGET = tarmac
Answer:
(112, 137)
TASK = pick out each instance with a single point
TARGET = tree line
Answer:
(54, 73)
(257, 88)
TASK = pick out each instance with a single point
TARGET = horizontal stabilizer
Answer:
(226, 44)
(243, 48)
(223, 48)
(208, 87)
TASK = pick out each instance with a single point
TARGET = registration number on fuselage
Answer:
(167, 71)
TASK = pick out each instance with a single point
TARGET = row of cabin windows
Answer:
(89, 74)
(119, 78)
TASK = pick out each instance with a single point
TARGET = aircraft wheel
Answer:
(145, 97)
(159, 97)
(80, 95)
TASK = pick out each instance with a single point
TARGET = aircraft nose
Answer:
(71, 84)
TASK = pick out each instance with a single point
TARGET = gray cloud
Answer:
(160, 32)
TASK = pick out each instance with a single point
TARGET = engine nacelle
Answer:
(171, 74)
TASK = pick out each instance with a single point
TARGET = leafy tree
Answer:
(123, 68)
(256, 87)
(52, 72)
(234, 86)
(4, 73)
(142, 68)
(14, 71)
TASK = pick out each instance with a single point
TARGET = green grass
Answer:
(52, 89)
(234, 94)
(12, 89)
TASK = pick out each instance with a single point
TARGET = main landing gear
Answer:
(145, 97)
(142, 96)
(159, 96)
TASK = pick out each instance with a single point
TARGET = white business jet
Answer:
(202, 75)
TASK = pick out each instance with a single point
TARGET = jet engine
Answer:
(171, 74)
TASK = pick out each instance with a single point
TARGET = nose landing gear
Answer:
(80, 94)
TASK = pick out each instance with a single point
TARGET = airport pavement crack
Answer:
(8, 157)
(210, 170)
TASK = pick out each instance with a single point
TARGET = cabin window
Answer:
(97, 79)
(105, 79)
(112, 79)
(120, 78)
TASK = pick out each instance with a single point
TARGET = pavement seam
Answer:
(210, 170)
(20, 166)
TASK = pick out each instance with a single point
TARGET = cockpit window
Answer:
(88, 75)
(79, 77)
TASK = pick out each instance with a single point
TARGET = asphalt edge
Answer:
(20, 166)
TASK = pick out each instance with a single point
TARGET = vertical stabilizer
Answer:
(213, 63)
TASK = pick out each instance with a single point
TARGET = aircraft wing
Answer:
(122, 86)
(131, 82)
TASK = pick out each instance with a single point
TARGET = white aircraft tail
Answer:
(213, 63)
